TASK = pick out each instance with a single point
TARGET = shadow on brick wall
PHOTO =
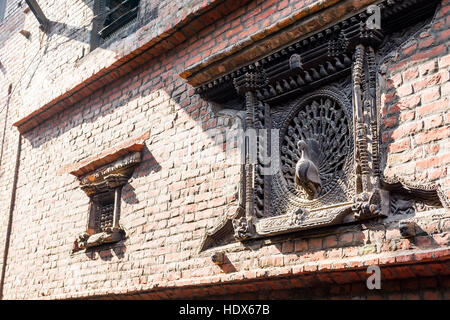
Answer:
(107, 252)
(13, 22)
(147, 166)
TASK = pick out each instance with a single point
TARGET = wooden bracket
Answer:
(40, 16)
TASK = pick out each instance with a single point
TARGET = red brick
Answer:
(427, 109)
(444, 62)
(427, 54)
(428, 67)
(430, 295)
(410, 49)
(433, 121)
(314, 243)
(400, 145)
(404, 90)
(395, 81)
(330, 242)
(410, 74)
(288, 247)
(427, 42)
(301, 245)
(346, 238)
(431, 94)
(389, 122)
(431, 80)
(406, 129)
(405, 103)
(432, 135)
(407, 116)
(432, 149)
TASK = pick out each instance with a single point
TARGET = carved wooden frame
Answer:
(108, 179)
(106, 173)
(342, 55)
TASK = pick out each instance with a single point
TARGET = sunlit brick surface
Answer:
(183, 185)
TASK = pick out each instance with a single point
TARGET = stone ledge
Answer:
(87, 241)
(90, 164)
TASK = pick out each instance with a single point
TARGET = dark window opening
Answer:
(110, 17)
(119, 14)
(103, 211)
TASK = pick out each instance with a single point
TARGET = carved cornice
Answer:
(317, 59)
(266, 40)
(135, 144)
(111, 176)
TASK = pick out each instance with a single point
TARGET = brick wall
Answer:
(427, 288)
(183, 185)
(416, 107)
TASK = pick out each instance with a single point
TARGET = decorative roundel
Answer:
(322, 120)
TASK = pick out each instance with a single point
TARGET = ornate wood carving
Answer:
(320, 92)
(103, 186)
(323, 121)
(111, 176)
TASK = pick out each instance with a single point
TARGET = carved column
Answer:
(367, 200)
(246, 86)
(372, 105)
(362, 159)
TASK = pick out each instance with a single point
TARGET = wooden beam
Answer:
(37, 11)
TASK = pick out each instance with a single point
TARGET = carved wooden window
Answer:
(104, 188)
(102, 178)
(110, 17)
(318, 98)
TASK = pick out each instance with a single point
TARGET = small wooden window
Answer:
(102, 178)
(104, 188)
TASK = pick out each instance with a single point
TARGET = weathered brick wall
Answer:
(427, 288)
(53, 62)
(416, 107)
(173, 198)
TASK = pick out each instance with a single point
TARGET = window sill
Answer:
(86, 241)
